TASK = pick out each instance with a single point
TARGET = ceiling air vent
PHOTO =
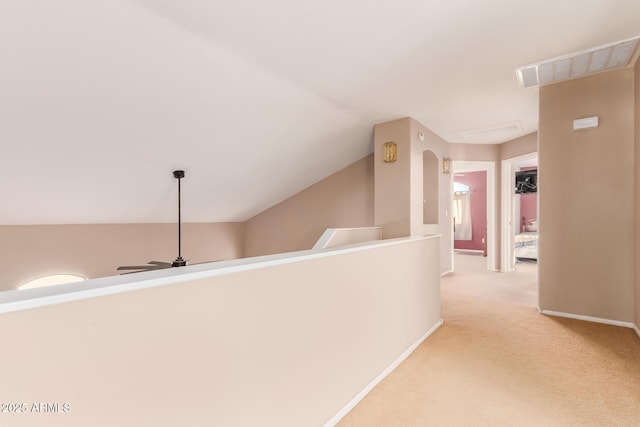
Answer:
(491, 132)
(591, 61)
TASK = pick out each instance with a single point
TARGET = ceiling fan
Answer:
(158, 265)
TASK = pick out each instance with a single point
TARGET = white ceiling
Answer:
(101, 100)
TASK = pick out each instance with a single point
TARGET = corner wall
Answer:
(440, 148)
(637, 192)
(586, 264)
(392, 180)
(400, 196)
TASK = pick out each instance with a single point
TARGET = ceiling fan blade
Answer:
(205, 262)
(160, 264)
(142, 267)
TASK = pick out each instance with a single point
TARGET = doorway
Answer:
(519, 214)
(466, 167)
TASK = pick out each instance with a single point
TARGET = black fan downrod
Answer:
(157, 265)
(179, 262)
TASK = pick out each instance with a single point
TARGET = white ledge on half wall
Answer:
(38, 297)
(333, 237)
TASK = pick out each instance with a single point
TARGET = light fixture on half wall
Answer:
(390, 152)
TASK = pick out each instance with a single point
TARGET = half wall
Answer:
(284, 340)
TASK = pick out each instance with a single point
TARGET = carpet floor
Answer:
(497, 362)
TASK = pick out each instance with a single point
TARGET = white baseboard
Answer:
(352, 404)
(588, 318)
(445, 273)
(635, 328)
(469, 251)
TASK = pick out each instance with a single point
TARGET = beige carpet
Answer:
(497, 362)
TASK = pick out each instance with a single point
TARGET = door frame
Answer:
(507, 249)
(461, 166)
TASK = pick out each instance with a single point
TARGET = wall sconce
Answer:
(446, 165)
(390, 152)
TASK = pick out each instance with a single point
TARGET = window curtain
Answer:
(462, 215)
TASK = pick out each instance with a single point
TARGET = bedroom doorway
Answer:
(519, 223)
(472, 231)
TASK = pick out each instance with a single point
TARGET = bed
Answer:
(526, 245)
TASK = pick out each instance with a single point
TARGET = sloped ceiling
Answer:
(101, 101)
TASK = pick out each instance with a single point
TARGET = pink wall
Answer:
(528, 204)
(477, 182)
(529, 207)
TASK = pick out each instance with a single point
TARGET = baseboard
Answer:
(588, 318)
(445, 273)
(469, 251)
(635, 328)
(352, 404)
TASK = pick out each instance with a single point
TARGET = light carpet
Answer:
(497, 362)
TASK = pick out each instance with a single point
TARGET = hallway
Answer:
(497, 361)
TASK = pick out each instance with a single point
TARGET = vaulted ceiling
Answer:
(101, 100)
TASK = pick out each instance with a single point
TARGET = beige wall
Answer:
(32, 251)
(392, 180)
(345, 199)
(586, 262)
(286, 344)
(475, 152)
(399, 196)
(443, 226)
(519, 147)
(637, 192)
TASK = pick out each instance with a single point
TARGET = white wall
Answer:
(279, 341)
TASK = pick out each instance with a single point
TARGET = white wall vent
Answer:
(491, 132)
(591, 61)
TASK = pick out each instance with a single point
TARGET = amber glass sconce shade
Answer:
(446, 165)
(390, 152)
